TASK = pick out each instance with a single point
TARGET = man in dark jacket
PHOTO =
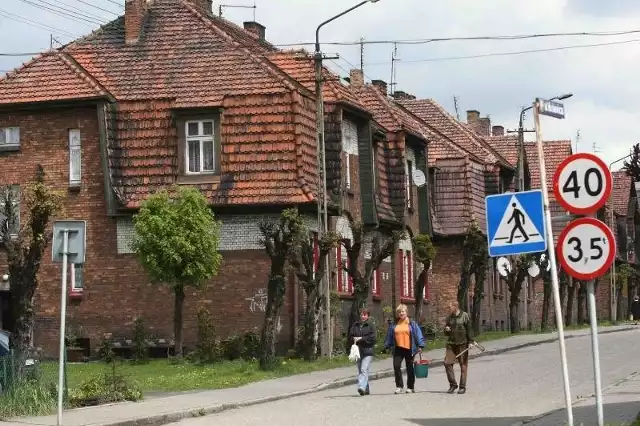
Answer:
(635, 309)
(364, 335)
(460, 333)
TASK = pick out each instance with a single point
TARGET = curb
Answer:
(164, 419)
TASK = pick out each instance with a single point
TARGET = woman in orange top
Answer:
(406, 340)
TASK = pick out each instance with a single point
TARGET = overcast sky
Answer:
(603, 79)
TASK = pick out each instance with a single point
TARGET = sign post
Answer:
(538, 109)
(68, 246)
(587, 248)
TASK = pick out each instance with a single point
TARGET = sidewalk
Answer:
(163, 410)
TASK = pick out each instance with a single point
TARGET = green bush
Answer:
(233, 347)
(140, 346)
(251, 345)
(28, 398)
(104, 389)
(208, 348)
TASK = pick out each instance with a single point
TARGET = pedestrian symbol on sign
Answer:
(515, 223)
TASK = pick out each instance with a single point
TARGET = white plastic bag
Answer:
(354, 355)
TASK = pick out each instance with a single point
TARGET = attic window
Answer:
(199, 147)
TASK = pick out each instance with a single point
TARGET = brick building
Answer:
(170, 94)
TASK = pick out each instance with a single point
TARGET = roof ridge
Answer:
(481, 139)
(240, 47)
(26, 64)
(385, 103)
(76, 68)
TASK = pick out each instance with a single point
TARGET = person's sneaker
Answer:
(399, 390)
(361, 391)
(410, 391)
(367, 392)
(452, 389)
(461, 391)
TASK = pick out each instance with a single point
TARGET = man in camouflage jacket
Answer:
(460, 337)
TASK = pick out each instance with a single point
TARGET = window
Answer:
(406, 274)
(344, 283)
(10, 220)
(349, 147)
(75, 159)
(9, 137)
(409, 183)
(376, 283)
(76, 276)
(200, 147)
(432, 185)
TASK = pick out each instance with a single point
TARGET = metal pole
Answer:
(594, 346)
(554, 267)
(63, 316)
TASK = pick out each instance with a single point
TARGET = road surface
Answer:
(502, 390)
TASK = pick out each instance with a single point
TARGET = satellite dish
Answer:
(503, 266)
(543, 258)
(534, 270)
(418, 178)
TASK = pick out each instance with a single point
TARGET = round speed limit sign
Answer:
(586, 248)
(582, 183)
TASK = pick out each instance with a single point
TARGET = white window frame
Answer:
(349, 146)
(407, 275)
(409, 182)
(10, 141)
(15, 188)
(202, 139)
(76, 273)
(75, 147)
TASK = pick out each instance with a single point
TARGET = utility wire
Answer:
(116, 3)
(476, 38)
(36, 24)
(74, 10)
(80, 19)
(97, 7)
(522, 52)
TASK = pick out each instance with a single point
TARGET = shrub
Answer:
(106, 388)
(105, 351)
(233, 347)
(208, 348)
(251, 345)
(28, 398)
(140, 345)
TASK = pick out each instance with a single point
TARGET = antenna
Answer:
(577, 140)
(455, 105)
(362, 54)
(596, 148)
(394, 58)
(239, 6)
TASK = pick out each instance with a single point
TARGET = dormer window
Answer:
(198, 147)
(349, 148)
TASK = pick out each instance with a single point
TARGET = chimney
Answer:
(256, 29)
(403, 96)
(356, 78)
(472, 116)
(133, 17)
(497, 130)
(381, 85)
(484, 126)
(205, 6)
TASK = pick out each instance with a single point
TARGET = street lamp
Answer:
(323, 220)
(614, 293)
(521, 152)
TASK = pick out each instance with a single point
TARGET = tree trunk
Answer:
(478, 296)
(361, 295)
(563, 293)
(619, 309)
(546, 302)
(571, 295)
(177, 319)
(275, 300)
(463, 291)
(514, 311)
(581, 303)
(311, 329)
(419, 292)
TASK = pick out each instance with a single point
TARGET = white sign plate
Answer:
(582, 183)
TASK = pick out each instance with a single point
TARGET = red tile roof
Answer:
(621, 192)
(459, 133)
(52, 76)
(554, 153)
(507, 147)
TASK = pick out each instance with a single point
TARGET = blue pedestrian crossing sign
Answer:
(515, 223)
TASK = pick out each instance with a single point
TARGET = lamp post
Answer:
(323, 219)
(614, 293)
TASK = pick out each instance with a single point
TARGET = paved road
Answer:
(502, 390)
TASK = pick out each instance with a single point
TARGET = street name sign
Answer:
(551, 108)
(515, 223)
(582, 183)
(586, 248)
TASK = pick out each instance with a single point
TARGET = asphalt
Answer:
(165, 410)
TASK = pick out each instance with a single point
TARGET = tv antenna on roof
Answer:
(239, 6)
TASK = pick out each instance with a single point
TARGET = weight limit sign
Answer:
(582, 183)
(586, 248)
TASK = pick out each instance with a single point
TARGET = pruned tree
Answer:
(176, 240)
(582, 302)
(623, 277)
(382, 245)
(25, 245)
(572, 289)
(278, 238)
(474, 263)
(632, 166)
(424, 252)
(310, 269)
(514, 279)
(542, 261)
